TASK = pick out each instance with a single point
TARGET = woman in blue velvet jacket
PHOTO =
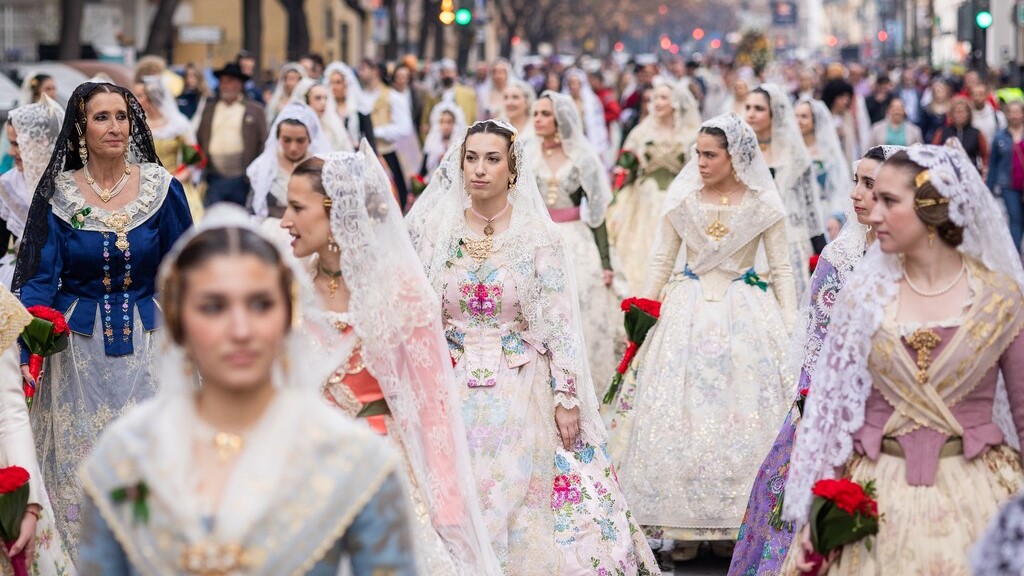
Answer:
(102, 218)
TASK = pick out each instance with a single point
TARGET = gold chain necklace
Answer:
(108, 194)
(480, 250)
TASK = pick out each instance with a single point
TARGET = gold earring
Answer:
(83, 152)
(332, 246)
(931, 235)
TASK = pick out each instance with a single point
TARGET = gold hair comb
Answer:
(926, 202)
(922, 178)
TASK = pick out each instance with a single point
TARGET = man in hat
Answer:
(231, 132)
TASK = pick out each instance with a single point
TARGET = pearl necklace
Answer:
(940, 291)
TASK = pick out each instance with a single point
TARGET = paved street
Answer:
(707, 566)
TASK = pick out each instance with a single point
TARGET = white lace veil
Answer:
(747, 161)
(483, 92)
(335, 134)
(834, 196)
(433, 145)
(278, 99)
(843, 253)
(593, 177)
(158, 91)
(794, 176)
(593, 110)
(842, 382)
(265, 167)
(395, 313)
(437, 224)
(309, 362)
(37, 127)
(353, 96)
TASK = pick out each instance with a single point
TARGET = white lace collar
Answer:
(68, 202)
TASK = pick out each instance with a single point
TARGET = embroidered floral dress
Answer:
(702, 400)
(548, 510)
(100, 271)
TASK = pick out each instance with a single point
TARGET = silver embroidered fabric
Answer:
(835, 411)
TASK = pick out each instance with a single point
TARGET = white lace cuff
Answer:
(567, 401)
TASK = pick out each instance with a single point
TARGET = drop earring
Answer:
(332, 246)
(931, 236)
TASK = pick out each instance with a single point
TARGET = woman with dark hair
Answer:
(248, 473)
(839, 98)
(934, 115)
(710, 380)
(511, 314)
(771, 115)
(34, 86)
(764, 539)
(908, 386)
(344, 219)
(104, 214)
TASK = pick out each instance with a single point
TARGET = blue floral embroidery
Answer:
(586, 455)
(561, 464)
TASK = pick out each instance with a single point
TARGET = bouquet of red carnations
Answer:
(191, 156)
(44, 336)
(13, 502)
(641, 315)
(624, 173)
(843, 512)
(417, 184)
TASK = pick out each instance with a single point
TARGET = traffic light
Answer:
(463, 16)
(447, 15)
(983, 18)
(979, 41)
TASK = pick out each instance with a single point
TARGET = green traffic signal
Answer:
(463, 16)
(983, 19)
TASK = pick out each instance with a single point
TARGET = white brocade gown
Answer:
(707, 391)
(603, 331)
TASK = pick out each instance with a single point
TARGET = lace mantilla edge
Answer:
(154, 182)
(13, 318)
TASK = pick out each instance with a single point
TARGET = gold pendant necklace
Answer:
(480, 250)
(107, 194)
(332, 284)
(717, 229)
(227, 444)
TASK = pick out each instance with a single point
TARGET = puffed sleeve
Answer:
(663, 259)
(379, 541)
(776, 248)
(41, 288)
(176, 217)
(15, 431)
(99, 552)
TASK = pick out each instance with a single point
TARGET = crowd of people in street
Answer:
(380, 317)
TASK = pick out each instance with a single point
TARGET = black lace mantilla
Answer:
(65, 157)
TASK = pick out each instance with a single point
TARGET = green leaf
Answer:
(375, 408)
(12, 510)
(613, 389)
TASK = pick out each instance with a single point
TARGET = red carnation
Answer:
(44, 336)
(60, 325)
(12, 478)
